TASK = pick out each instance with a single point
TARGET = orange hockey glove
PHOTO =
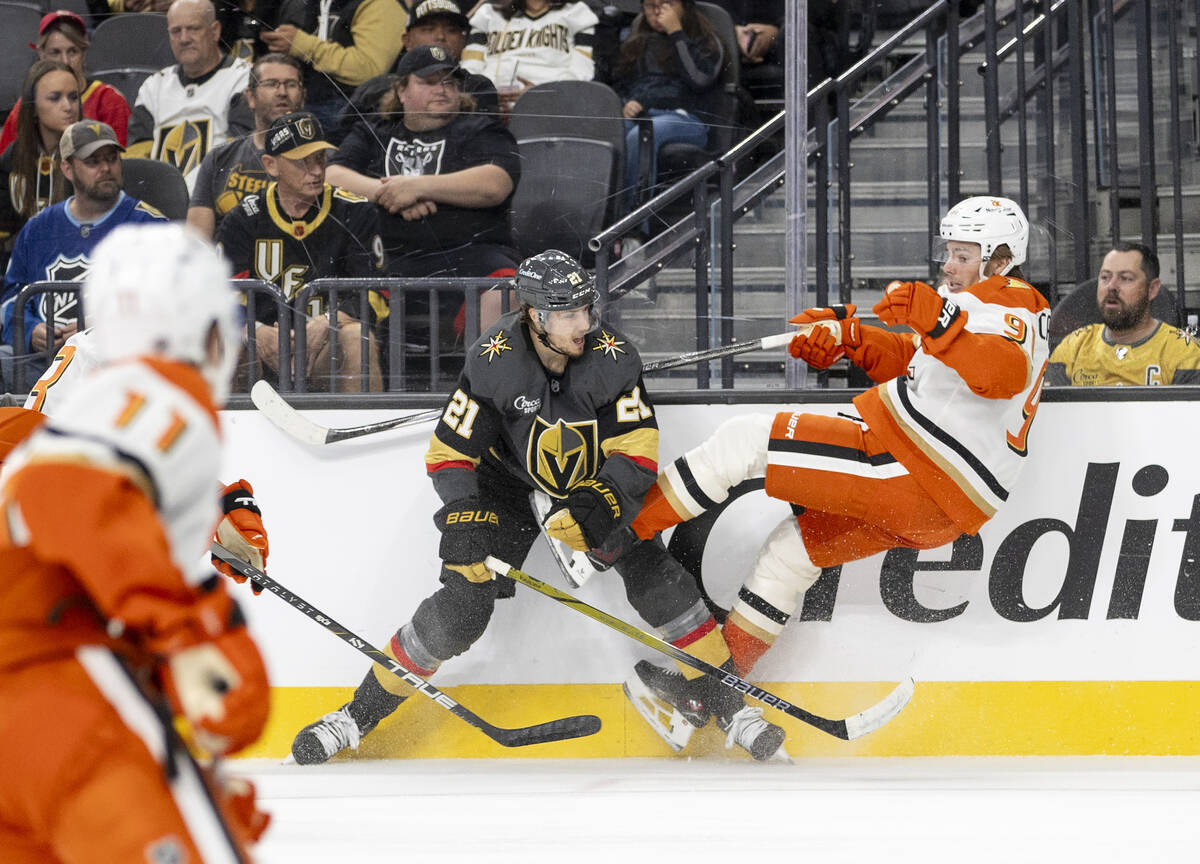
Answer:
(241, 808)
(241, 531)
(220, 686)
(919, 306)
(821, 347)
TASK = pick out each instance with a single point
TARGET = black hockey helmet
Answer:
(554, 281)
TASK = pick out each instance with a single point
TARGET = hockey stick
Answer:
(555, 730)
(849, 729)
(267, 400)
(291, 421)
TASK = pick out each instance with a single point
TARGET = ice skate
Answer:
(318, 742)
(749, 730)
(667, 701)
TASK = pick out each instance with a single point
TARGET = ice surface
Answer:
(678, 810)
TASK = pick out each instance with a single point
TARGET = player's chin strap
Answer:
(542, 336)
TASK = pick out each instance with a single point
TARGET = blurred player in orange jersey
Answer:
(940, 442)
(112, 624)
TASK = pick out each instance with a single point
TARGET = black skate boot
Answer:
(319, 741)
(670, 703)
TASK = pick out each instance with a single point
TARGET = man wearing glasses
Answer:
(235, 169)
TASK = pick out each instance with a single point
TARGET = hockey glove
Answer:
(241, 531)
(920, 307)
(220, 686)
(586, 517)
(468, 536)
(841, 325)
(239, 803)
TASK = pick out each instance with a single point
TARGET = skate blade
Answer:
(668, 723)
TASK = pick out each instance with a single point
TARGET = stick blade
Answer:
(283, 415)
(881, 712)
(563, 729)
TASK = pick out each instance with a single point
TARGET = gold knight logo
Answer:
(562, 454)
(184, 145)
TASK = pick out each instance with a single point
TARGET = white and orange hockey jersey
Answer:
(106, 513)
(958, 415)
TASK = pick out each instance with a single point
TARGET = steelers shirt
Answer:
(338, 236)
(1086, 357)
(227, 175)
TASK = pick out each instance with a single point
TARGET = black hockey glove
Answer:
(587, 516)
(468, 535)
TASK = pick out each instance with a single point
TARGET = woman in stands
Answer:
(521, 43)
(30, 176)
(62, 36)
(667, 65)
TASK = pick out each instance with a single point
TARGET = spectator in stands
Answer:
(235, 169)
(30, 170)
(445, 176)
(520, 43)
(184, 111)
(343, 43)
(1129, 345)
(62, 36)
(56, 245)
(670, 59)
(433, 22)
(298, 229)
(759, 28)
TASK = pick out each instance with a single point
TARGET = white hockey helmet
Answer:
(990, 222)
(159, 288)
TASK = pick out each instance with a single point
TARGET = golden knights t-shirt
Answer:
(391, 149)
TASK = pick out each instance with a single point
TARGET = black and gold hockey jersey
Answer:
(338, 236)
(1086, 357)
(548, 431)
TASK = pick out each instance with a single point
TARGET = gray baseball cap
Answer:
(84, 138)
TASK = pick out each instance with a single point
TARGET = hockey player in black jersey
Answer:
(549, 399)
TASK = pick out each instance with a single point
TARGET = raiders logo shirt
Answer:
(338, 236)
(391, 149)
(548, 431)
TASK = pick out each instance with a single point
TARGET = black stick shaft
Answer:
(555, 730)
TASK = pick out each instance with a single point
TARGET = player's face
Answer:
(962, 265)
(433, 99)
(1122, 291)
(437, 31)
(194, 38)
(278, 91)
(57, 100)
(59, 47)
(98, 176)
(567, 329)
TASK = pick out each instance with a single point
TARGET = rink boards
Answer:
(1069, 626)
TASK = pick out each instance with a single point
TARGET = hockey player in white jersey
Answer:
(111, 622)
(941, 440)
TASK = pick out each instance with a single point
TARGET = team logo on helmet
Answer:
(562, 454)
(495, 346)
(609, 344)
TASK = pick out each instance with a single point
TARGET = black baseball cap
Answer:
(440, 9)
(295, 135)
(426, 60)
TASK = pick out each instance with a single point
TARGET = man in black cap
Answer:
(298, 229)
(444, 175)
(434, 22)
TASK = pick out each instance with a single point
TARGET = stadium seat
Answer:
(131, 39)
(562, 198)
(574, 109)
(1078, 309)
(127, 80)
(158, 184)
(20, 28)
